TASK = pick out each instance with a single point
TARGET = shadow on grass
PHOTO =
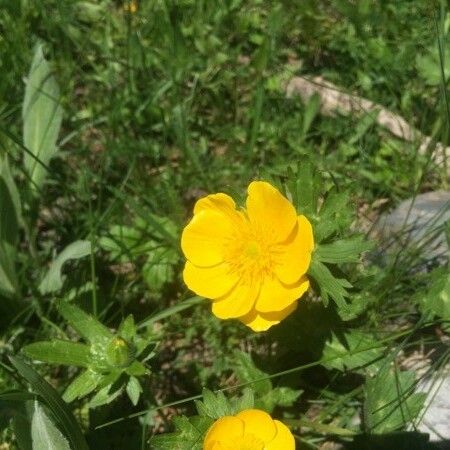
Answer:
(396, 441)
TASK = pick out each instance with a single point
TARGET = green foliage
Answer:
(267, 397)
(44, 434)
(60, 412)
(390, 401)
(110, 360)
(42, 116)
(435, 301)
(53, 280)
(353, 350)
(189, 434)
(167, 104)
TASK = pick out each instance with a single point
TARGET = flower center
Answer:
(253, 250)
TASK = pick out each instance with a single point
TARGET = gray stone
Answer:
(418, 222)
(436, 420)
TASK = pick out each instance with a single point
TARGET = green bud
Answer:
(120, 353)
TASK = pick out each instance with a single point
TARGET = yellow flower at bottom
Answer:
(251, 429)
(250, 262)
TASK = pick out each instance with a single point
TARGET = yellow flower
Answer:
(131, 6)
(251, 429)
(250, 262)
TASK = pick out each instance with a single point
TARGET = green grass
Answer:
(186, 98)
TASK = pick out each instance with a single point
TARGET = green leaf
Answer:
(42, 116)
(44, 434)
(213, 405)
(106, 395)
(137, 369)
(189, 434)
(334, 216)
(86, 325)
(246, 371)
(127, 328)
(345, 352)
(59, 352)
(266, 397)
(342, 251)
(57, 406)
(178, 307)
(159, 267)
(53, 280)
(329, 285)
(428, 66)
(436, 300)
(83, 385)
(390, 401)
(134, 390)
(8, 279)
(11, 206)
(312, 108)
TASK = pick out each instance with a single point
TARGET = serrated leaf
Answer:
(44, 434)
(57, 406)
(83, 385)
(42, 116)
(86, 325)
(342, 251)
(189, 434)
(213, 405)
(246, 371)
(134, 390)
(329, 285)
(346, 352)
(53, 280)
(390, 401)
(428, 66)
(59, 352)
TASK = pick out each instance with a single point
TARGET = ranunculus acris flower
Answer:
(251, 429)
(250, 262)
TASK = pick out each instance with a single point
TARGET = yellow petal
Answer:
(276, 296)
(237, 302)
(210, 282)
(284, 440)
(258, 423)
(223, 429)
(295, 256)
(270, 211)
(206, 237)
(263, 321)
(216, 202)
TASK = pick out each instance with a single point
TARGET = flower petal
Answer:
(276, 296)
(270, 211)
(210, 282)
(223, 429)
(263, 321)
(295, 257)
(237, 302)
(258, 423)
(206, 236)
(284, 440)
(216, 202)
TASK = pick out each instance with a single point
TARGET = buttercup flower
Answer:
(250, 262)
(251, 429)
